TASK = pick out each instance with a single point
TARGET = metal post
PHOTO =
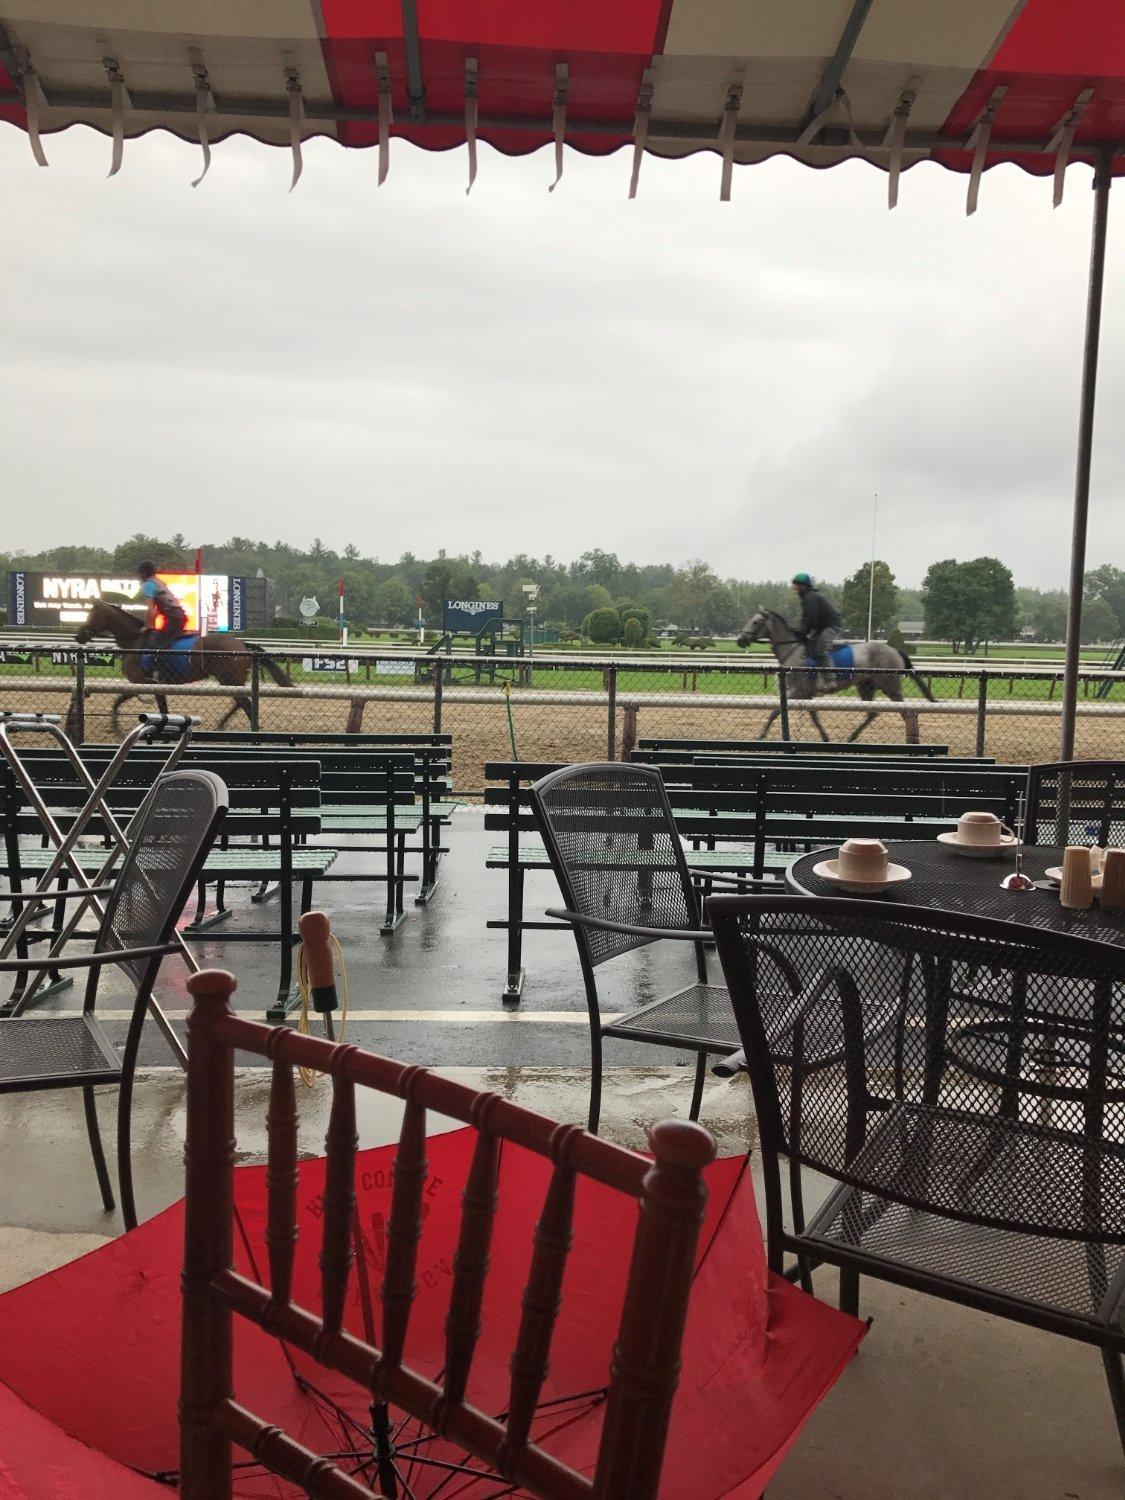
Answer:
(255, 693)
(611, 715)
(982, 709)
(783, 699)
(1102, 178)
(78, 729)
(871, 574)
(439, 677)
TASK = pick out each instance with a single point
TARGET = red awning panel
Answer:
(821, 80)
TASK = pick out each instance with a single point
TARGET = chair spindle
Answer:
(281, 1181)
(339, 1204)
(541, 1300)
(404, 1230)
(470, 1266)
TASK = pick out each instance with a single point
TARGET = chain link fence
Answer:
(562, 708)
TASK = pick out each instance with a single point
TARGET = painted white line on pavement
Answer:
(465, 1017)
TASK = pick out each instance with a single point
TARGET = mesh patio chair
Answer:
(977, 1142)
(166, 853)
(1076, 802)
(613, 845)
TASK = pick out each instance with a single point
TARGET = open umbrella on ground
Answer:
(92, 1349)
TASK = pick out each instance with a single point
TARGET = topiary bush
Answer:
(602, 626)
(634, 632)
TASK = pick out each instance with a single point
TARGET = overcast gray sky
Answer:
(408, 368)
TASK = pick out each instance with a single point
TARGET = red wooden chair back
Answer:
(645, 1365)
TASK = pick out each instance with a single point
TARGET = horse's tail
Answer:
(279, 674)
(909, 665)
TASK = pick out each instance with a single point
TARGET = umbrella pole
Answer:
(1102, 177)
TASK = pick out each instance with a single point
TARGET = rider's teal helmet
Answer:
(803, 578)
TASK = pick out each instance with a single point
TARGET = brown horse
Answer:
(225, 658)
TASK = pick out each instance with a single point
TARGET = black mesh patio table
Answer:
(944, 880)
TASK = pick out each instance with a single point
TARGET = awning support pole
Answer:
(1103, 175)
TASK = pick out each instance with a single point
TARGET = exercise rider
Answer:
(166, 620)
(820, 626)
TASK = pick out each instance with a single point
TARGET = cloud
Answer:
(406, 368)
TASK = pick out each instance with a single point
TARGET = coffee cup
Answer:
(983, 829)
(862, 860)
(1112, 892)
(1076, 890)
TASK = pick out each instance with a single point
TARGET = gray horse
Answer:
(877, 668)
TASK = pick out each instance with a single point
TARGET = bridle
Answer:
(791, 639)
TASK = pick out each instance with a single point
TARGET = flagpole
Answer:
(871, 572)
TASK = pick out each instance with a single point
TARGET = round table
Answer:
(944, 880)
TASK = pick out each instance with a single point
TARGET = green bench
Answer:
(753, 818)
(274, 804)
(432, 758)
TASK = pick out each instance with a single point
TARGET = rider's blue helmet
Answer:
(803, 578)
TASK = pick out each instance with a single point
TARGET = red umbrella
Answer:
(94, 1347)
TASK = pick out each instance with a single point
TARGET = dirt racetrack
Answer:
(567, 731)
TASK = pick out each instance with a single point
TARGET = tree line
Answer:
(965, 602)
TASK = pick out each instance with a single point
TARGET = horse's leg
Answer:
(115, 711)
(162, 704)
(866, 692)
(238, 701)
(820, 729)
(910, 716)
(769, 723)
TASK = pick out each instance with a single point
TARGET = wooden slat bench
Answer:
(791, 747)
(274, 803)
(764, 813)
(433, 758)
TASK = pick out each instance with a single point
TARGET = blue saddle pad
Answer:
(843, 658)
(176, 662)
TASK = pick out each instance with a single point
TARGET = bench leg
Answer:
(431, 839)
(286, 995)
(201, 922)
(394, 915)
(513, 990)
(267, 889)
(306, 896)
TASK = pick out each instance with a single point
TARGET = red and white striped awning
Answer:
(968, 83)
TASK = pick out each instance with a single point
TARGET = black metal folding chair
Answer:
(1076, 802)
(166, 851)
(977, 1142)
(612, 841)
(172, 730)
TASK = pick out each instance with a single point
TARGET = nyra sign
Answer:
(54, 601)
(49, 600)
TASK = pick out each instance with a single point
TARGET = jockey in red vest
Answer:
(166, 619)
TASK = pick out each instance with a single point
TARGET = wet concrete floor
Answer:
(940, 1402)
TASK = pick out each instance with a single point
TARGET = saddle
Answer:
(843, 660)
(172, 656)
